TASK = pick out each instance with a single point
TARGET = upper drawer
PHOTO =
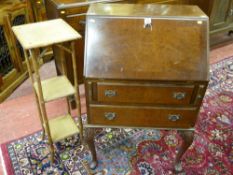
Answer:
(144, 93)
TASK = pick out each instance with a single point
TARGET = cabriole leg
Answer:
(187, 137)
(89, 140)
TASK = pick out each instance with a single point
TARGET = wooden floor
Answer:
(18, 114)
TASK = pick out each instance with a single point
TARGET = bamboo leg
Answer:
(68, 105)
(77, 95)
(40, 115)
(63, 65)
(37, 100)
(52, 150)
(42, 104)
(64, 71)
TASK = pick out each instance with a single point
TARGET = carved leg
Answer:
(187, 136)
(89, 140)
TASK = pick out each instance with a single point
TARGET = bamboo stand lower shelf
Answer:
(59, 130)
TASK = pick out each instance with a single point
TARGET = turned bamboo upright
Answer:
(42, 34)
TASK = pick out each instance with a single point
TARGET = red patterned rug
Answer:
(138, 151)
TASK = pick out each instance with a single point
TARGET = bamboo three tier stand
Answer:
(32, 37)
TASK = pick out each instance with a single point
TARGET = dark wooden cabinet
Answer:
(221, 21)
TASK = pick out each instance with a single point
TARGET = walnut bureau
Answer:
(145, 66)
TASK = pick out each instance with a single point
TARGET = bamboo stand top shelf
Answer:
(45, 33)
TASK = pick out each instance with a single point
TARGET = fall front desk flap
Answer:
(146, 42)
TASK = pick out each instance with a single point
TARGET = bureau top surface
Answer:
(164, 49)
(151, 10)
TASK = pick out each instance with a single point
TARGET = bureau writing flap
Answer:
(138, 45)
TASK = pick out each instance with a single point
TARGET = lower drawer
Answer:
(142, 116)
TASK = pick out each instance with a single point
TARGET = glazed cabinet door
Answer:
(12, 63)
(221, 14)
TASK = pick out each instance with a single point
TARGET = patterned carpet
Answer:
(146, 152)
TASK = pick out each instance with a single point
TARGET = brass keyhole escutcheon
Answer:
(174, 117)
(179, 95)
(110, 115)
(110, 93)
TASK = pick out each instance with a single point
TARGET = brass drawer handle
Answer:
(174, 117)
(110, 93)
(179, 95)
(110, 115)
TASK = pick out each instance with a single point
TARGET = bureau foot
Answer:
(93, 164)
(89, 140)
(187, 136)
